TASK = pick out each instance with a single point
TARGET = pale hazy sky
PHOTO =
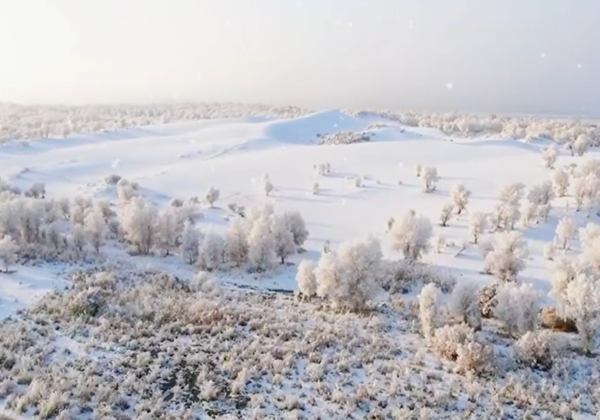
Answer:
(498, 55)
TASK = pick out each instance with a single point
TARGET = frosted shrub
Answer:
(212, 195)
(8, 252)
(464, 304)
(475, 358)
(204, 282)
(446, 214)
(430, 179)
(507, 257)
(411, 235)
(590, 244)
(418, 170)
(549, 156)
(112, 179)
(447, 339)
(349, 278)
(439, 244)
(535, 349)
(37, 190)
(517, 308)
(267, 186)
(565, 231)
(549, 251)
(428, 309)
(306, 279)
(582, 304)
(460, 197)
(477, 225)
(211, 253)
(125, 190)
(560, 182)
(315, 188)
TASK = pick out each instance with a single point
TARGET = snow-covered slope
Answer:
(184, 159)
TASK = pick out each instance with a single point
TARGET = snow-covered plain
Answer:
(316, 363)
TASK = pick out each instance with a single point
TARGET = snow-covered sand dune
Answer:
(184, 159)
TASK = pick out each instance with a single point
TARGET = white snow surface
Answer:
(185, 159)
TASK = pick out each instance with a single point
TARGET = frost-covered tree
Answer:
(564, 271)
(267, 185)
(190, 242)
(565, 231)
(169, 226)
(139, 223)
(411, 235)
(586, 190)
(306, 279)
(590, 244)
(237, 241)
(418, 170)
(529, 214)
(511, 194)
(507, 257)
(296, 224)
(541, 194)
(581, 144)
(95, 228)
(560, 182)
(583, 305)
(429, 309)
(283, 238)
(52, 237)
(212, 195)
(464, 304)
(211, 252)
(8, 252)
(517, 307)
(446, 214)
(460, 197)
(261, 254)
(349, 278)
(77, 240)
(477, 225)
(504, 217)
(430, 179)
(550, 156)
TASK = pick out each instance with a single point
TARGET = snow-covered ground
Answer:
(184, 159)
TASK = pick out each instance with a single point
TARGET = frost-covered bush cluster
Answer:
(344, 137)
(34, 227)
(123, 343)
(574, 135)
(40, 121)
